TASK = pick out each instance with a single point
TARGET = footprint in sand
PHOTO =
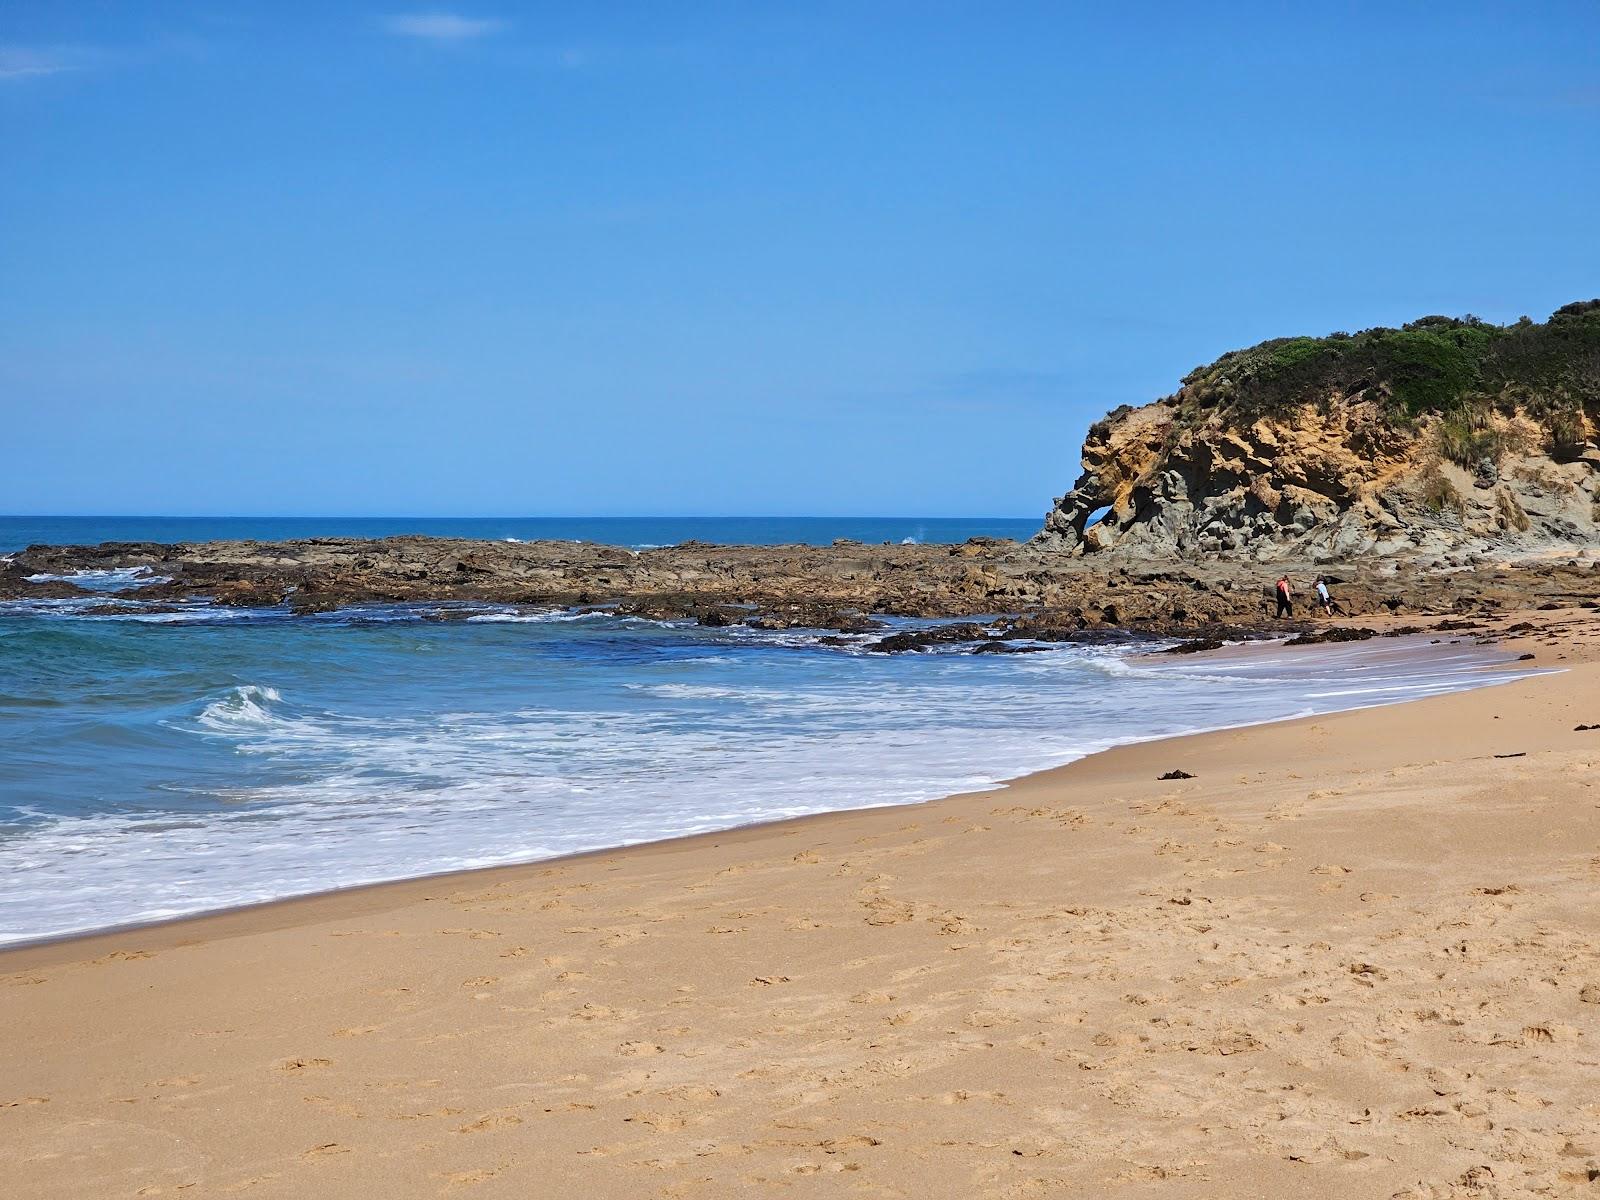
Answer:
(962, 1096)
(499, 1120)
(423, 1116)
(883, 911)
(293, 1065)
(660, 1122)
(462, 1179)
(691, 1093)
(244, 1185)
(601, 1012)
(325, 1150)
(1548, 1032)
(872, 998)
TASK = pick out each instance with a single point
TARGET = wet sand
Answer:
(1354, 956)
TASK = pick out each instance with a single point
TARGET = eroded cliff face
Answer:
(1330, 479)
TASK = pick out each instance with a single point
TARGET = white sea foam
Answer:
(141, 612)
(199, 614)
(245, 707)
(552, 616)
(330, 793)
(108, 579)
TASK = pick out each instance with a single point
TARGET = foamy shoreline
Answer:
(1351, 956)
(1435, 669)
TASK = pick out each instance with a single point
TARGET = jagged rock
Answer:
(1196, 646)
(1369, 450)
(246, 593)
(304, 605)
(920, 639)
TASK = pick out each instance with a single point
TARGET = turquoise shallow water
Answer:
(155, 763)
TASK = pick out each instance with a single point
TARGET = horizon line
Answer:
(86, 516)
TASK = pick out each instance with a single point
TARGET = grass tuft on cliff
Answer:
(1445, 365)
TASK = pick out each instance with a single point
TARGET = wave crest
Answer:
(246, 707)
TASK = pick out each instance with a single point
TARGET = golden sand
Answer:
(1354, 956)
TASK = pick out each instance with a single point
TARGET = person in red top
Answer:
(1285, 597)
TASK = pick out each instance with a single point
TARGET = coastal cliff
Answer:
(1447, 441)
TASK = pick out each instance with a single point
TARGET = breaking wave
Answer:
(200, 764)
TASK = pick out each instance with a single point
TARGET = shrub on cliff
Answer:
(1432, 365)
(1438, 493)
(1466, 438)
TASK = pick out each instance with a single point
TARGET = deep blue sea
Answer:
(638, 533)
(154, 764)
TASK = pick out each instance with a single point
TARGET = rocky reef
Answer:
(1448, 441)
(848, 586)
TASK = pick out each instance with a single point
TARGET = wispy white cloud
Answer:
(442, 26)
(30, 62)
(19, 63)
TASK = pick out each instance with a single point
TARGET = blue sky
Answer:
(590, 258)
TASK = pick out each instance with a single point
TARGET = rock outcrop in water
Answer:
(1448, 441)
(842, 587)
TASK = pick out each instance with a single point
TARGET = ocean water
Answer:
(154, 764)
(638, 533)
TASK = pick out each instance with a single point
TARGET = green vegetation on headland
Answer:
(1462, 368)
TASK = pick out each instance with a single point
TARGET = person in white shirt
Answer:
(1322, 596)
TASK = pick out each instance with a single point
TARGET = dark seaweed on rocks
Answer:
(1338, 633)
(1196, 646)
(921, 639)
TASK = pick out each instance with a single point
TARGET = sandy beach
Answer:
(1353, 956)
